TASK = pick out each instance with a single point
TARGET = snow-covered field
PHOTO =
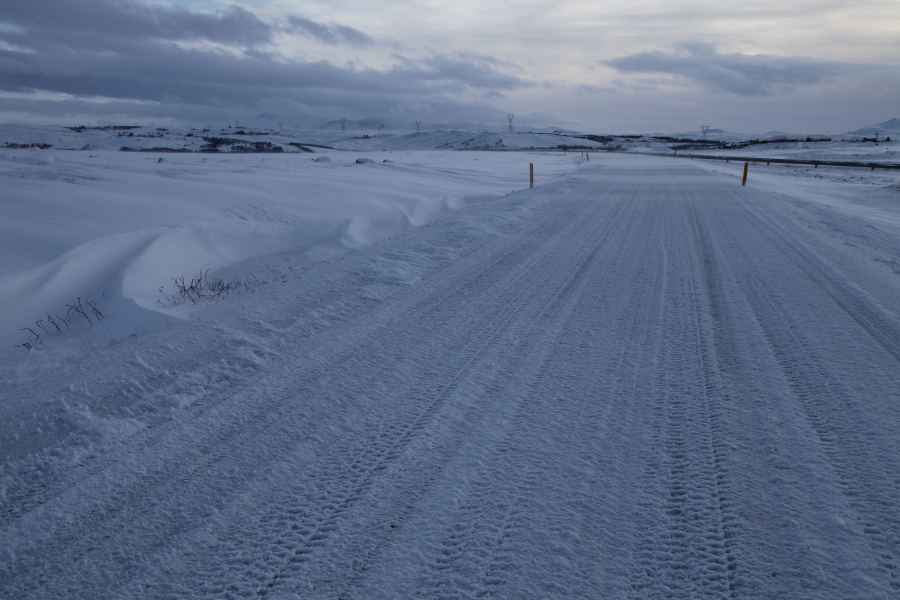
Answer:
(637, 380)
(115, 227)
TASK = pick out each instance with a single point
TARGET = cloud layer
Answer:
(328, 34)
(741, 74)
(115, 22)
(227, 61)
(599, 66)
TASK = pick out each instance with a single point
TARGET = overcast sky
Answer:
(602, 66)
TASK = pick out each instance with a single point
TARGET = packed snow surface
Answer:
(637, 380)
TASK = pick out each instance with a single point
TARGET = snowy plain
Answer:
(114, 227)
(637, 380)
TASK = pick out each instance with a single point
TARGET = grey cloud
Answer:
(154, 70)
(741, 74)
(467, 70)
(126, 51)
(78, 22)
(328, 34)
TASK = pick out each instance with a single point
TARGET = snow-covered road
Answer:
(639, 381)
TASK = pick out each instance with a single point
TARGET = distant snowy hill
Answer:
(713, 134)
(366, 135)
(368, 124)
(456, 140)
(373, 124)
(892, 126)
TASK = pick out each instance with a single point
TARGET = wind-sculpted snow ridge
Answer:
(641, 380)
(121, 228)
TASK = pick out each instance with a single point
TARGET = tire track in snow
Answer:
(556, 300)
(551, 265)
(487, 322)
(476, 549)
(582, 386)
(192, 476)
(687, 475)
(832, 412)
(872, 492)
(220, 373)
(867, 316)
(484, 548)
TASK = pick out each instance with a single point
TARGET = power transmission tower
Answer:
(417, 126)
(280, 123)
(343, 127)
(510, 117)
(704, 129)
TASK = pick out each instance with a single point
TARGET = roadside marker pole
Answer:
(531, 168)
(746, 168)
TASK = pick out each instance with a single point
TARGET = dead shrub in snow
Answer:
(203, 289)
(84, 309)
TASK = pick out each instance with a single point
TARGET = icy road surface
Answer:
(639, 381)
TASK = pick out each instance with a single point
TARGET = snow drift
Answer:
(115, 228)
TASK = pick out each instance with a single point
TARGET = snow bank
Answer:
(115, 228)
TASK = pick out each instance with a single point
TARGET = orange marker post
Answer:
(746, 168)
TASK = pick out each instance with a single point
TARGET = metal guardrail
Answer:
(787, 161)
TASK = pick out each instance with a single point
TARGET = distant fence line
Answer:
(783, 161)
